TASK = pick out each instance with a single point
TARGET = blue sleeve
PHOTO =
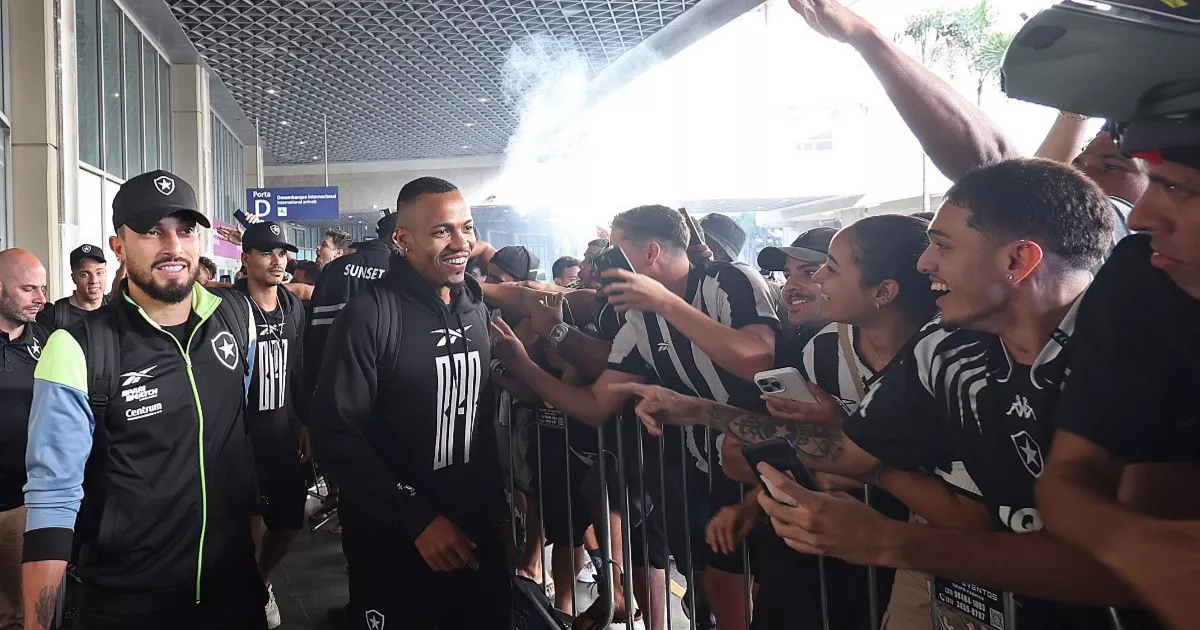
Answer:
(60, 441)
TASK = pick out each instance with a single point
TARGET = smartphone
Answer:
(785, 383)
(693, 229)
(611, 259)
(241, 218)
(780, 455)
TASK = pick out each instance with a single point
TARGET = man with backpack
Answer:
(137, 449)
(89, 272)
(397, 417)
(278, 438)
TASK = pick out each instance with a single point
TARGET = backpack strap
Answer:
(391, 319)
(61, 312)
(103, 354)
(293, 311)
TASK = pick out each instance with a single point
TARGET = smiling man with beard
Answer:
(137, 449)
(396, 416)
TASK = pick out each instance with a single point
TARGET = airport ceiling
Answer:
(397, 79)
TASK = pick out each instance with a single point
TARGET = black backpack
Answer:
(101, 345)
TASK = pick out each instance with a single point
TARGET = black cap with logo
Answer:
(145, 200)
(517, 261)
(79, 254)
(266, 237)
(811, 246)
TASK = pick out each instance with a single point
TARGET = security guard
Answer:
(137, 447)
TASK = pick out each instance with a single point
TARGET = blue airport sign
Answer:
(292, 204)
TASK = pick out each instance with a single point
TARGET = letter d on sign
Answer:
(262, 208)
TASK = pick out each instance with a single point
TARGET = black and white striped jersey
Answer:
(824, 363)
(732, 294)
(954, 400)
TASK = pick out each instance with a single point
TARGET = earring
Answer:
(1010, 277)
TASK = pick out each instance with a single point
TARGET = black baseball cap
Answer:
(86, 251)
(517, 261)
(146, 199)
(811, 246)
(266, 237)
(386, 225)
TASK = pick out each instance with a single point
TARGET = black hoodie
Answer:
(396, 415)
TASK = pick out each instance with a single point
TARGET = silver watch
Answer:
(558, 333)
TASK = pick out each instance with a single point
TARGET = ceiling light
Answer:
(470, 124)
(301, 143)
(483, 100)
(286, 123)
(316, 158)
(270, 90)
(466, 146)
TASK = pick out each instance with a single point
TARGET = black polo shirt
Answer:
(1132, 388)
(21, 356)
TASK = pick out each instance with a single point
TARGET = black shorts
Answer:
(282, 486)
(565, 515)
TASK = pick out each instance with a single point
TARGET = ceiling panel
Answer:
(397, 80)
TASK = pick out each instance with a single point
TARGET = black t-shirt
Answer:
(181, 332)
(954, 402)
(63, 313)
(1136, 363)
(271, 410)
(20, 357)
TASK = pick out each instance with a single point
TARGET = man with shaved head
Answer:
(22, 294)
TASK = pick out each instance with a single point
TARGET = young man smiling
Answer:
(89, 272)
(397, 418)
(146, 474)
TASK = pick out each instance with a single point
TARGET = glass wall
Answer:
(227, 171)
(124, 93)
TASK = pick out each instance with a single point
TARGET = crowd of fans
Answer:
(1000, 417)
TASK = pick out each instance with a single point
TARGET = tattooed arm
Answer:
(40, 582)
(821, 447)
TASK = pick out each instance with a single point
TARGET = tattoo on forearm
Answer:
(812, 440)
(44, 608)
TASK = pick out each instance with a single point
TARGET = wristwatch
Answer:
(558, 333)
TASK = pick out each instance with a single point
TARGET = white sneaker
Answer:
(587, 575)
(272, 609)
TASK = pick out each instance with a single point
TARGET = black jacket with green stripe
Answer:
(158, 492)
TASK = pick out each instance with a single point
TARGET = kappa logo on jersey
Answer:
(375, 620)
(225, 347)
(451, 335)
(35, 350)
(135, 377)
(459, 378)
(1022, 521)
(165, 185)
(1021, 408)
(1030, 452)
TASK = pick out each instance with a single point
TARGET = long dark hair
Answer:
(888, 248)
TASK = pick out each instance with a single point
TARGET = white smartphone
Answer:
(785, 383)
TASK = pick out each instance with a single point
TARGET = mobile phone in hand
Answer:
(241, 218)
(611, 259)
(782, 457)
(693, 229)
(785, 383)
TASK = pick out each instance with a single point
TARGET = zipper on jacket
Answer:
(187, 360)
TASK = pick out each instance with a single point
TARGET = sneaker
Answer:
(587, 575)
(272, 608)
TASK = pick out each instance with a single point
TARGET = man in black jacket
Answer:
(397, 419)
(151, 486)
(89, 272)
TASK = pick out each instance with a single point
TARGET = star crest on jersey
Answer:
(375, 620)
(35, 350)
(225, 347)
(1021, 408)
(449, 335)
(1030, 452)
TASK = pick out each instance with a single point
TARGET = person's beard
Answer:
(173, 293)
(11, 310)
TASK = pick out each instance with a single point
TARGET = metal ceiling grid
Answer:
(397, 80)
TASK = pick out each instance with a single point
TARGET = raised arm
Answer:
(955, 133)
(1065, 138)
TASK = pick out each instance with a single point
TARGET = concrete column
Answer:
(252, 158)
(192, 135)
(35, 143)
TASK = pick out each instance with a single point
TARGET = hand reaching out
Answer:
(831, 19)
(659, 406)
